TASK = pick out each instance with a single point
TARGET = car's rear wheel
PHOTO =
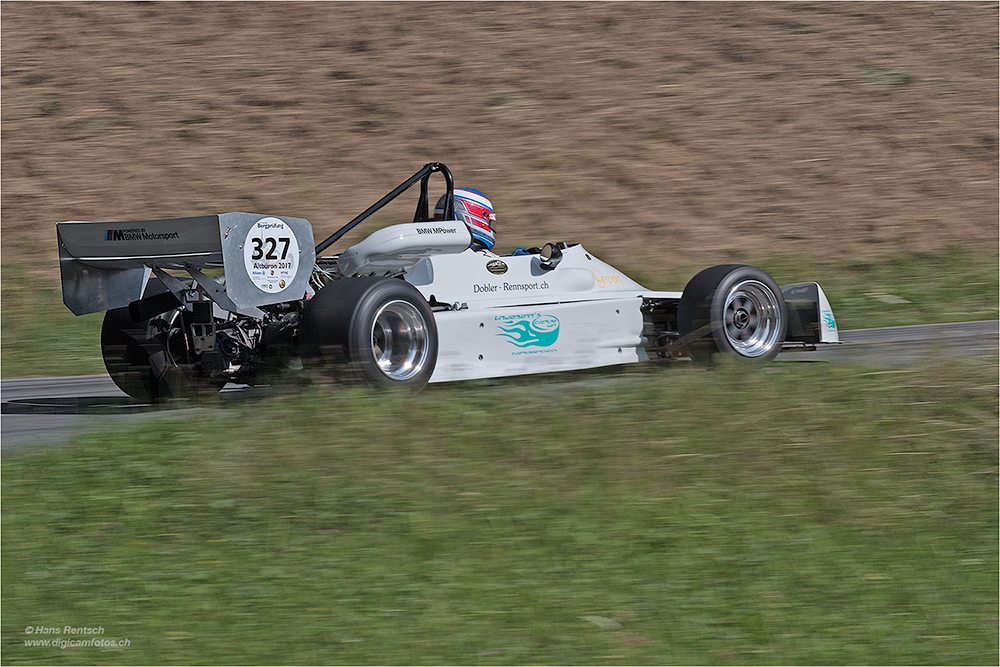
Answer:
(151, 360)
(733, 310)
(381, 329)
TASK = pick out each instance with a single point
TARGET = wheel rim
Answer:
(751, 318)
(400, 340)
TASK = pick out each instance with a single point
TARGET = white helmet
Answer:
(476, 211)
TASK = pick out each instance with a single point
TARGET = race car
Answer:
(197, 302)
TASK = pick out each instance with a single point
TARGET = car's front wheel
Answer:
(734, 310)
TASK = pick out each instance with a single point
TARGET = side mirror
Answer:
(549, 257)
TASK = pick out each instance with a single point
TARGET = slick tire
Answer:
(381, 330)
(734, 311)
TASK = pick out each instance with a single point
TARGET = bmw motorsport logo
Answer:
(496, 267)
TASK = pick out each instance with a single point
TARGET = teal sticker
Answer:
(828, 320)
(531, 330)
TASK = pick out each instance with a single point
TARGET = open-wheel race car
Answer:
(194, 303)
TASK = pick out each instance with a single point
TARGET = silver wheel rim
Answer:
(751, 318)
(400, 341)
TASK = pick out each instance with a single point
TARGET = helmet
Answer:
(476, 211)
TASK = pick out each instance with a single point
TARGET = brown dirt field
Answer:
(653, 133)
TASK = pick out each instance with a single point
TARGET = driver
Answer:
(476, 211)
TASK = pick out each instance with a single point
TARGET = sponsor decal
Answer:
(496, 267)
(271, 255)
(605, 281)
(524, 287)
(529, 331)
(799, 291)
(828, 321)
(489, 288)
(437, 230)
(138, 234)
(523, 352)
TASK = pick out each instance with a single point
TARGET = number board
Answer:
(271, 255)
(268, 259)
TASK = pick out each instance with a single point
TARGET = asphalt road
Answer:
(37, 412)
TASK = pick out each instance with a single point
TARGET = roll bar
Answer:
(421, 213)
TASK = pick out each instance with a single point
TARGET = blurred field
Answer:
(809, 514)
(830, 141)
(40, 337)
(812, 514)
(660, 135)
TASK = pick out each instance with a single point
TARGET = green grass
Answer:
(807, 514)
(41, 337)
(954, 285)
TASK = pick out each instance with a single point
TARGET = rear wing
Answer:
(266, 259)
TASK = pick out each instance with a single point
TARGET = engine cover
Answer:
(395, 249)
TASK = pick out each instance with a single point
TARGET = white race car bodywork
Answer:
(522, 319)
(409, 304)
(509, 315)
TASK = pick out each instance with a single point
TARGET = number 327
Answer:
(272, 245)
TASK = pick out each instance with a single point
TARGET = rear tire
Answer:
(382, 329)
(150, 360)
(734, 310)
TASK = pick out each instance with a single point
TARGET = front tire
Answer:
(733, 310)
(382, 328)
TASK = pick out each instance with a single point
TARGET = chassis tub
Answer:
(500, 342)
